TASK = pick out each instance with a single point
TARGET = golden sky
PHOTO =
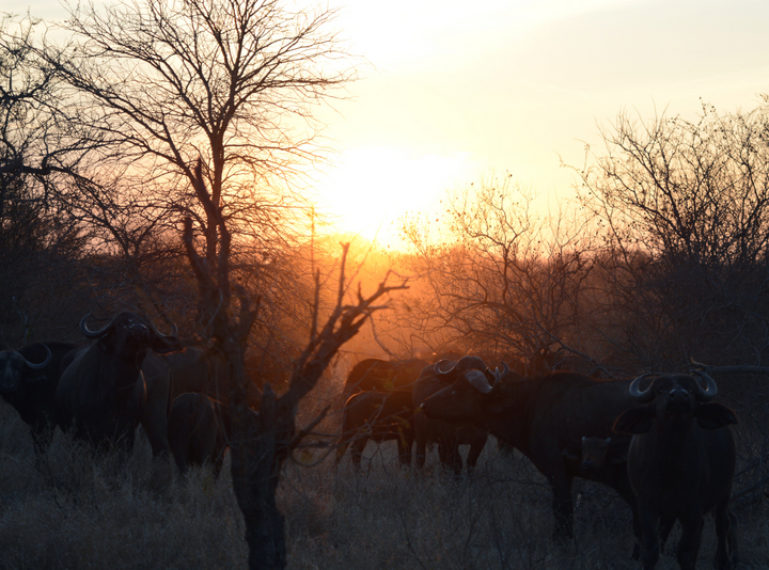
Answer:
(454, 92)
(461, 91)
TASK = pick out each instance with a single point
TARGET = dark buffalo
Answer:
(448, 435)
(192, 369)
(198, 431)
(377, 375)
(604, 459)
(681, 463)
(28, 380)
(545, 418)
(102, 392)
(377, 416)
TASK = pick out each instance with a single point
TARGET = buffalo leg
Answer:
(449, 455)
(563, 508)
(404, 449)
(649, 538)
(726, 553)
(665, 526)
(473, 455)
(691, 535)
(421, 452)
(356, 451)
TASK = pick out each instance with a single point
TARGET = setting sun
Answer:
(367, 191)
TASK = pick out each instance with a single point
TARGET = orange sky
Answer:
(453, 92)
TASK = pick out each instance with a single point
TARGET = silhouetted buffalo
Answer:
(198, 431)
(545, 418)
(448, 435)
(373, 374)
(604, 459)
(377, 416)
(102, 391)
(681, 463)
(192, 369)
(28, 380)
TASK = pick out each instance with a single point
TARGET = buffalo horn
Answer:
(709, 390)
(637, 392)
(93, 333)
(499, 374)
(39, 365)
(479, 381)
(445, 366)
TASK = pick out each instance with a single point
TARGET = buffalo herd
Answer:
(127, 374)
(660, 441)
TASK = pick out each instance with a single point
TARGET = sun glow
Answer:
(369, 191)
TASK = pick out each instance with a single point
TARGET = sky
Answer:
(452, 92)
(518, 86)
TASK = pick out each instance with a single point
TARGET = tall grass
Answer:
(75, 509)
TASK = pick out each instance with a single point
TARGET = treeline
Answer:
(661, 258)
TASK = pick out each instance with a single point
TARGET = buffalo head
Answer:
(128, 333)
(676, 398)
(14, 368)
(469, 383)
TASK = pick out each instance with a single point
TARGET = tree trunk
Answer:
(259, 447)
(255, 486)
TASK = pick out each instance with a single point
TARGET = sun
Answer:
(368, 191)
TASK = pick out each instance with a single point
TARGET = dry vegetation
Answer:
(73, 509)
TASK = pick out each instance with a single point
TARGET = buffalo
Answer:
(28, 380)
(198, 431)
(681, 463)
(102, 392)
(604, 459)
(169, 375)
(373, 374)
(545, 418)
(448, 435)
(378, 416)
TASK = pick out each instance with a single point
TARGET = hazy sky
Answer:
(511, 86)
(456, 91)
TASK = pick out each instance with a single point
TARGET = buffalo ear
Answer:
(635, 420)
(714, 416)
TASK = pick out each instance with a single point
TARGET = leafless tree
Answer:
(163, 86)
(511, 281)
(36, 148)
(685, 206)
(690, 189)
(261, 442)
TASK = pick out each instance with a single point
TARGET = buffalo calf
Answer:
(198, 431)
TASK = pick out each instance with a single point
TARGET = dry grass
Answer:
(72, 509)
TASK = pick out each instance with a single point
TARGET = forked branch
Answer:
(343, 323)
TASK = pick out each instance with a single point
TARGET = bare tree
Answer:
(685, 206)
(35, 146)
(511, 282)
(261, 442)
(690, 189)
(163, 86)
